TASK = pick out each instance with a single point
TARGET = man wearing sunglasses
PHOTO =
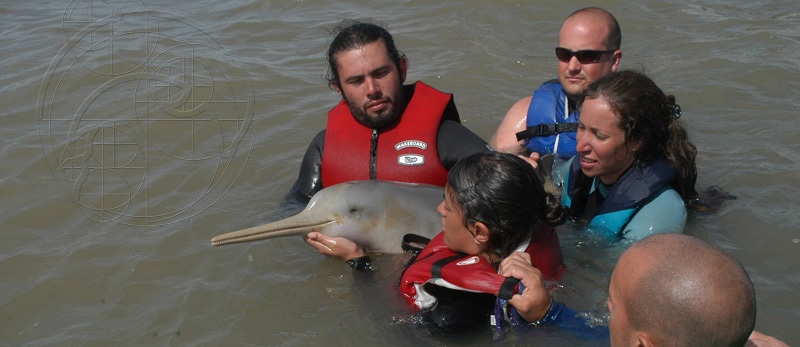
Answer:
(545, 123)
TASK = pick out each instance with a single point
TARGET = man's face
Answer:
(578, 34)
(372, 85)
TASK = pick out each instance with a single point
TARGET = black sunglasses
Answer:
(584, 57)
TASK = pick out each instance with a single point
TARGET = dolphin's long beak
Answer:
(294, 225)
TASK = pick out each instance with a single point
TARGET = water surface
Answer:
(114, 178)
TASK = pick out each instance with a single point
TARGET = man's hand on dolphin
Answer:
(338, 247)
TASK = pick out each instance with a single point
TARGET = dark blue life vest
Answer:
(634, 189)
(550, 128)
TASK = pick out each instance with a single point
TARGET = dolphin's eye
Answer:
(353, 210)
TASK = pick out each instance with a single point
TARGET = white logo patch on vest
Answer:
(469, 261)
(410, 159)
(411, 143)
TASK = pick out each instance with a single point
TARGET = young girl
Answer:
(494, 204)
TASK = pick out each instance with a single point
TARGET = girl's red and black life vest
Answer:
(438, 265)
(406, 152)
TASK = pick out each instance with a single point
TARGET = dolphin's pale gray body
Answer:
(374, 214)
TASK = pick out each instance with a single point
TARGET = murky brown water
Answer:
(108, 244)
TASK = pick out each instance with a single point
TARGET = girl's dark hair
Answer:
(505, 193)
(352, 34)
(649, 117)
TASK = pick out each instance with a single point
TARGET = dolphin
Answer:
(372, 213)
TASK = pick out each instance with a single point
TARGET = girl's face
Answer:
(601, 146)
(457, 237)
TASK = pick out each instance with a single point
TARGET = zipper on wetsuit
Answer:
(373, 156)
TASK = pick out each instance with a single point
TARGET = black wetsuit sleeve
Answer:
(456, 142)
(309, 180)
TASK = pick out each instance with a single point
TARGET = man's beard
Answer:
(381, 121)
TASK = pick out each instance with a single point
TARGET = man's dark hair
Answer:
(352, 34)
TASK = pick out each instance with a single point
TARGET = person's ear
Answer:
(403, 69)
(645, 340)
(481, 232)
(616, 57)
(338, 89)
(636, 146)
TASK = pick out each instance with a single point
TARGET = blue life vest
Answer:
(634, 189)
(549, 128)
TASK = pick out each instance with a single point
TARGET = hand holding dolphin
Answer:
(339, 247)
(374, 214)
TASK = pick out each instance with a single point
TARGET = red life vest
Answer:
(438, 265)
(405, 153)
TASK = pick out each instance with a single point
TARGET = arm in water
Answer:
(534, 306)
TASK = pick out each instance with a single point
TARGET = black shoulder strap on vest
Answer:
(546, 129)
(413, 243)
(436, 269)
(508, 288)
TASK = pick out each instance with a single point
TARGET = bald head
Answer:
(588, 29)
(600, 19)
(685, 292)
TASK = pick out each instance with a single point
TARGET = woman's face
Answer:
(602, 147)
(457, 237)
